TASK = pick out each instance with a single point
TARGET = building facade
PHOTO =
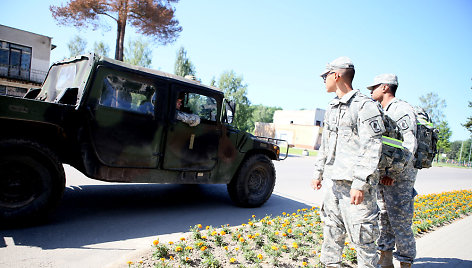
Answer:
(301, 129)
(24, 60)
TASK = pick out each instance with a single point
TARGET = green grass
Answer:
(297, 151)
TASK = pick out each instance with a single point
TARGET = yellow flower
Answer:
(203, 248)
(276, 233)
(241, 239)
(171, 243)
(171, 257)
(207, 227)
(214, 233)
(199, 226)
(163, 259)
(204, 237)
(188, 248)
(284, 247)
(130, 262)
(236, 249)
(284, 234)
(178, 248)
(232, 260)
(222, 233)
(226, 247)
(294, 245)
(346, 243)
(253, 216)
(257, 234)
(182, 239)
(155, 242)
(289, 231)
(259, 256)
(275, 248)
(304, 263)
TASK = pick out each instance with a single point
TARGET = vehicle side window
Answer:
(203, 106)
(128, 94)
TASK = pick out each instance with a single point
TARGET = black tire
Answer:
(254, 182)
(32, 182)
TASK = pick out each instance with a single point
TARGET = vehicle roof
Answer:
(145, 70)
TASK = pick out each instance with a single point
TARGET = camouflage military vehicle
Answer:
(116, 122)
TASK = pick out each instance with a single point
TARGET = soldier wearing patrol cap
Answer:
(349, 154)
(396, 193)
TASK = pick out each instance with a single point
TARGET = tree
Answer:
(433, 105)
(183, 66)
(235, 90)
(138, 53)
(454, 150)
(263, 113)
(468, 124)
(101, 49)
(77, 46)
(153, 18)
(444, 135)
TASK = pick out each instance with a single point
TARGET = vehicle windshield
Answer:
(62, 76)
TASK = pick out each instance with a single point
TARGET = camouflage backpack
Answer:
(394, 155)
(426, 138)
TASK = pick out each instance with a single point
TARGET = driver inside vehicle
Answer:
(191, 119)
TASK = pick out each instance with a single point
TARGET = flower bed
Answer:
(288, 240)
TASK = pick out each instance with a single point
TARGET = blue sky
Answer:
(280, 47)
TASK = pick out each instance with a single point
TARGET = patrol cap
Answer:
(339, 63)
(390, 79)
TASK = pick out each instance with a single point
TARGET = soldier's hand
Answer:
(386, 181)
(316, 184)
(357, 196)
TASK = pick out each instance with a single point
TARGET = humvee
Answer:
(116, 122)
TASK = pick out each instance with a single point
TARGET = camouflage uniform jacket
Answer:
(351, 141)
(404, 114)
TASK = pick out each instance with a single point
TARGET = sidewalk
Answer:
(447, 246)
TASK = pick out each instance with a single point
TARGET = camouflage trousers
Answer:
(396, 205)
(359, 222)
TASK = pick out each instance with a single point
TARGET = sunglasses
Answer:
(326, 76)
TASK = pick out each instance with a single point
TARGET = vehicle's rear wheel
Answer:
(32, 182)
(254, 182)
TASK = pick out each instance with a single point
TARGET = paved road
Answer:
(99, 223)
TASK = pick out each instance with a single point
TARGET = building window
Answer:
(15, 60)
(318, 123)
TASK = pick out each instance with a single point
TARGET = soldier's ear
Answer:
(336, 76)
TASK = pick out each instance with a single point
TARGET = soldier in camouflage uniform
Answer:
(349, 154)
(396, 192)
(191, 119)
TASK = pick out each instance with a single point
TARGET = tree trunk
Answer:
(120, 31)
(120, 39)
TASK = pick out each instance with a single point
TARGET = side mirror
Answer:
(230, 108)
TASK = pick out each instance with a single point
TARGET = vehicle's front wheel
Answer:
(32, 182)
(254, 182)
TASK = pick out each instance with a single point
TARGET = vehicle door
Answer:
(192, 148)
(124, 125)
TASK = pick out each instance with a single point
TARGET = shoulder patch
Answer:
(375, 125)
(404, 122)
